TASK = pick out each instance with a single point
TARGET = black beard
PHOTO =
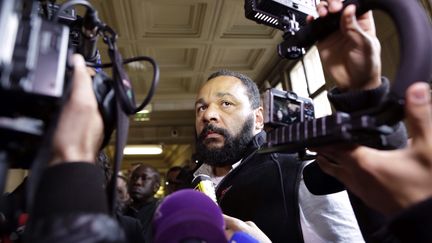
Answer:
(233, 149)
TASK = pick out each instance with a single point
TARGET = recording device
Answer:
(204, 184)
(82, 30)
(188, 216)
(285, 107)
(286, 15)
(37, 38)
(32, 81)
(34, 74)
(280, 14)
(362, 127)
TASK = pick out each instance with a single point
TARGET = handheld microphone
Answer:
(242, 237)
(204, 184)
(188, 216)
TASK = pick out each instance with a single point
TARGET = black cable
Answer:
(125, 61)
(154, 81)
(69, 4)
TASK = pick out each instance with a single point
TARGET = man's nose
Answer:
(211, 114)
(138, 181)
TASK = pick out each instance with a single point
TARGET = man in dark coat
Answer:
(143, 184)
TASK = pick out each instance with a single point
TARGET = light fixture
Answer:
(144, 114)
(145, 149)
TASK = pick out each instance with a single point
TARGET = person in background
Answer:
(123, 197)
(172, 183)
(143, 184)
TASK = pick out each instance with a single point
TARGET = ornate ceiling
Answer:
(190, 39)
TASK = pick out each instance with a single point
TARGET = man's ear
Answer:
(259, 119)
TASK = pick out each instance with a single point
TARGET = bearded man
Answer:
(264, 188)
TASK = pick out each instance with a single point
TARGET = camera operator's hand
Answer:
(389, 180)
(80, 128)
(352, 54)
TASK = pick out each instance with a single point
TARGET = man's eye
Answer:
(201, 108)
(226, 103)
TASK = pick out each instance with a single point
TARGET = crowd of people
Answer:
(260, 197)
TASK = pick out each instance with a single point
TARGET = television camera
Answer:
(367, 127)
(359, 127)
(286, 107)
(37, 38)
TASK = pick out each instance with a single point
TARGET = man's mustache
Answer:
(212, 128)
(136, 190)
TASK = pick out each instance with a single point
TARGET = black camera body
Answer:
(286, 15)
(283, 108)
(34, 76)
(277, 13)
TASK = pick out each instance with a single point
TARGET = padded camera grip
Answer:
(415, 36)
(104, 92)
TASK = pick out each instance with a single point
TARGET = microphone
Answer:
(320, 183)
(188, 216)
(204, 184)
(242, 237)
(89, 36)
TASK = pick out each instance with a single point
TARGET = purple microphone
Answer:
(188, 216)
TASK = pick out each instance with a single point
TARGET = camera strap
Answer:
(125, 106)
(121, 139)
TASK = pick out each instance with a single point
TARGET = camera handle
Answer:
(415, 35)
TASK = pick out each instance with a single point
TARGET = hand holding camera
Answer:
(352, 54)
(80, 128)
